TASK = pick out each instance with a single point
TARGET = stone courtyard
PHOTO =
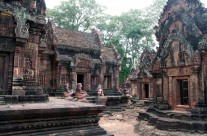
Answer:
(57, 81)
(125, 123)
(121, 123)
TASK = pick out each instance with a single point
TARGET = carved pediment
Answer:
(146, 61)
(83, 61)
(177, 51)
(156, 65)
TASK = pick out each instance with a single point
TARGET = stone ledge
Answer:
(181, 115)
(165, 123)
(54, 116)
(14, 99)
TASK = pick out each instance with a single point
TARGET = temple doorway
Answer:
(107, 82)
(80, 79)
(146, 90)
(184, 100)
(2, 72)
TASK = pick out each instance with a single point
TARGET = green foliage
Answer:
(125, 68)
(76, 14)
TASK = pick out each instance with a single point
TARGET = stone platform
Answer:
(15, 99)
(175, 120)
(55, 117)
(112, 103)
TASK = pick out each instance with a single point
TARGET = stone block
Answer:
(18, 91)
(101, 100)
(58, 116)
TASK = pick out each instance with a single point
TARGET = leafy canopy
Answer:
(76, 14)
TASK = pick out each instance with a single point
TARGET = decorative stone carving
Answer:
(179, 50)
(179, 72)
(100, 91)
(80, 94)
(146, 60)
(22, 27)
(67, 92)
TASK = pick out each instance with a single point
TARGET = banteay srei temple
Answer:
(59, 81)
(174, 78)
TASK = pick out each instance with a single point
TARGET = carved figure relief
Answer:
(175, 51)
(28, 72)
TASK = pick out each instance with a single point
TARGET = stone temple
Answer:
(176, 83)
(38, 59)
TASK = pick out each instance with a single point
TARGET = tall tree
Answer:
(133, 31)
(76, 14)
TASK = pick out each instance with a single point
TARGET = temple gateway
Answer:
(76, 57)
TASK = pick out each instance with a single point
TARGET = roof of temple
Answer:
(76, 39)
(108, 54)
(146, 61)
(133, 74)
(184, 21)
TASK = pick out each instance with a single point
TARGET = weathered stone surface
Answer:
(56, 115)
(175, 76)
(175, 121)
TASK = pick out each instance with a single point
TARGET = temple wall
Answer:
(45, 76)
(7, 49)
(172, 94)
(134, 88)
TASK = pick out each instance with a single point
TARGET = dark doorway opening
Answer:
(146, 90)
(2, 72)
(184, 92)
(80, 79)
(107, 82)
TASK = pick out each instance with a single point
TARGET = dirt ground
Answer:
(126, 124)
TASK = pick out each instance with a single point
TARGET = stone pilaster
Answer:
(74, 80)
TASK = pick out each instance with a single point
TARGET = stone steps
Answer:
(180, 115)
(91, 99)
(166, 123)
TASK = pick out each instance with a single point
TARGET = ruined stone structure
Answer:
(31, 60)
(139, 81)
(130, 84)
(76, 57)
(144, 77)
(179, 70)
(33, 57)
(21, 30)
